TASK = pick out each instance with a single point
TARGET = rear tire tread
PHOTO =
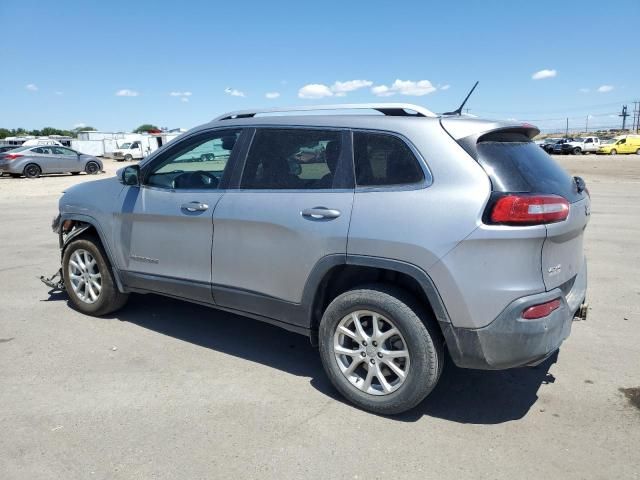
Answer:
(419, 329)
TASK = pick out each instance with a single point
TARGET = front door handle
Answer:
(194, 207)
(319, 213)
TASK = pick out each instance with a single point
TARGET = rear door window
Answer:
(517, 165)
(294, 159)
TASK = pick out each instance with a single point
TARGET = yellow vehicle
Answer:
(627, 144)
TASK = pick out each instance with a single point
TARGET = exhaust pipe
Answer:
(581, 313)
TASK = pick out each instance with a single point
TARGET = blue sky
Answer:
(115, 64)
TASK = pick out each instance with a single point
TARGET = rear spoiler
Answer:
(461, 127)
(468, 132)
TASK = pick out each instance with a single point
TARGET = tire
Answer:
(418, 336)
(613, 152)
(107, 297)
(92, 168)
(204, 157)
(638, 151)
(128, 158)
(32, 171)
(577, 151)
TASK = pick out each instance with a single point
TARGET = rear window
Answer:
(516, 164)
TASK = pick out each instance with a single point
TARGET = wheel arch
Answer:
(82, 226)
(27, 165)
(336, 274)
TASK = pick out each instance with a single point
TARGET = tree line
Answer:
(46, 131)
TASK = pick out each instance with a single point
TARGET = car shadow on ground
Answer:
(463, 396)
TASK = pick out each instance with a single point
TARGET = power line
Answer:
(562, 110)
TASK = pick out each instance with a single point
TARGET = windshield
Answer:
(124, 146)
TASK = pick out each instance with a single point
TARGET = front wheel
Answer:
(128, 158)
(92, 168)
(577, 151)
(380, 349)
(88, 278)
(613, 152)
(638, 151)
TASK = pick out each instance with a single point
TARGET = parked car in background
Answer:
(578, 146)
(34, 161)
(6, 148)
(129, 151)
(548, 143)
(354, 249)
(555, 146)
(626, 144)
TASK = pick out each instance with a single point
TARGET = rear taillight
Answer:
(542, 310)
(12, 156)
(522, 209)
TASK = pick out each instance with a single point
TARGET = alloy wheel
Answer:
(92, 168)
(371, 352)
(84, 276)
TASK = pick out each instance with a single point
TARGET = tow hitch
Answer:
(55, 281)
(581, 313)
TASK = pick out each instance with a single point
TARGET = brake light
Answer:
(529, 209)
(12, 156)
(542, 310)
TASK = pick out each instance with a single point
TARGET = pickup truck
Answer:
(578, 146)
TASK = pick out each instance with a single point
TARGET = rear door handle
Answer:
(194, 207)
(320, 213)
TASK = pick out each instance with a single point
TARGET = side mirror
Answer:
(130, 175)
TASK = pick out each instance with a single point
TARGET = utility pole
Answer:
(636, 116)
(624, 116)
(586, 128)
(566, 132)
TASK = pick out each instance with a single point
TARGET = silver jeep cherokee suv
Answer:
(387, 238)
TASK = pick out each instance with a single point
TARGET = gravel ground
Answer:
(166, 389)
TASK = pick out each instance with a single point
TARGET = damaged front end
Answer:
(67, 230)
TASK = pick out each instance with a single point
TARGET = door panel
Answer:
(292, 209)
(264, 244)
(161, 234)
(165, 229)
(49, 163)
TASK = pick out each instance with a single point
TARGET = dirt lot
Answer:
(171, 390)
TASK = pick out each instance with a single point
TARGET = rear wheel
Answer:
(613, 152)
(638, 151)
(380, 349)
(88, 278)
(577, 151)
(92, 167)
(32, 171)
(128, 157)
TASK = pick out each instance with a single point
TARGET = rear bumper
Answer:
(5, 167)
(510, 341)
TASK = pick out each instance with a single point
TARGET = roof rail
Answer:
(390, 109)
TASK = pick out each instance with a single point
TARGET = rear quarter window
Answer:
(384, 160)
